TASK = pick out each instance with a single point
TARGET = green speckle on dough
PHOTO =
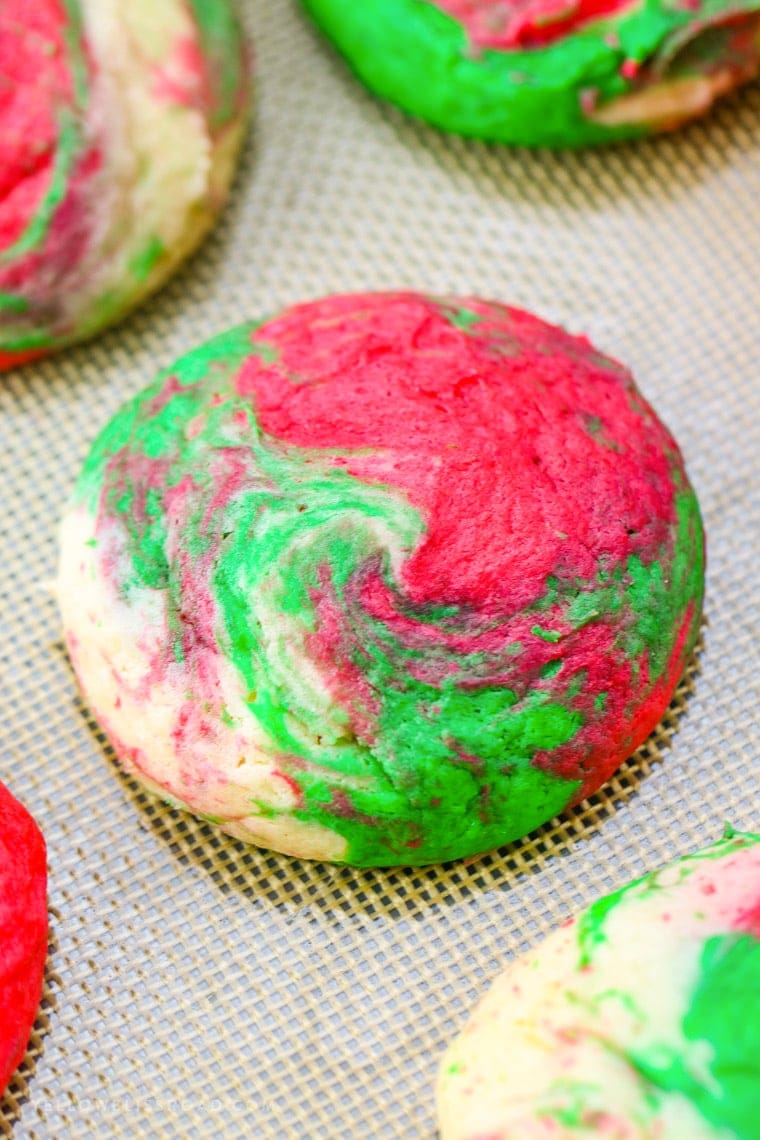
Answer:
(585, 607)
(215, 819)
(595, 428)
(551, 596)
(262, 809)
(145, 260)
(12, 303)
(463, 318)
(617, 996)
(265, 351)
(576, 684)
(552, 635)
(25, 342)
(574, 1112)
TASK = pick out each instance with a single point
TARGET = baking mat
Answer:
(200, 988)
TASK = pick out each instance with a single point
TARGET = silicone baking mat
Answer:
(197, 987)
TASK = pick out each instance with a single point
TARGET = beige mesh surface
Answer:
(200, 988)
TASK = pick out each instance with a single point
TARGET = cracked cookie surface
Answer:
(384, 579)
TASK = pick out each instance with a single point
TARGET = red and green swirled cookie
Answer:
(639, 1019)
(385, 579)
(119, 128)
(23, 929)
(548, 72)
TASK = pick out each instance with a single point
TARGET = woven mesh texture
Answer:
(197, 987)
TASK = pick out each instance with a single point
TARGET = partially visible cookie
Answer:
(23, 929)
(120, 124)
(385, 579)
(637, 1020)
(548, 72)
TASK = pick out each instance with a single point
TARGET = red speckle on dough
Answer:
(195, 427)
(748, 920)
(460, 756)
(568, 1035)
(504, 25)
(589, 98)
(294, 787)
(341, 806)
(23, 929)
(182, 78)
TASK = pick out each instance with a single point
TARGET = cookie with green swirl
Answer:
(638, 1019)
(120, 125)
(558, 73)
(385, 579)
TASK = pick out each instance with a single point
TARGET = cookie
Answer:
(385, 579)
(23, 929)
(639, 1019)
(119, 128)
(547, 72)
